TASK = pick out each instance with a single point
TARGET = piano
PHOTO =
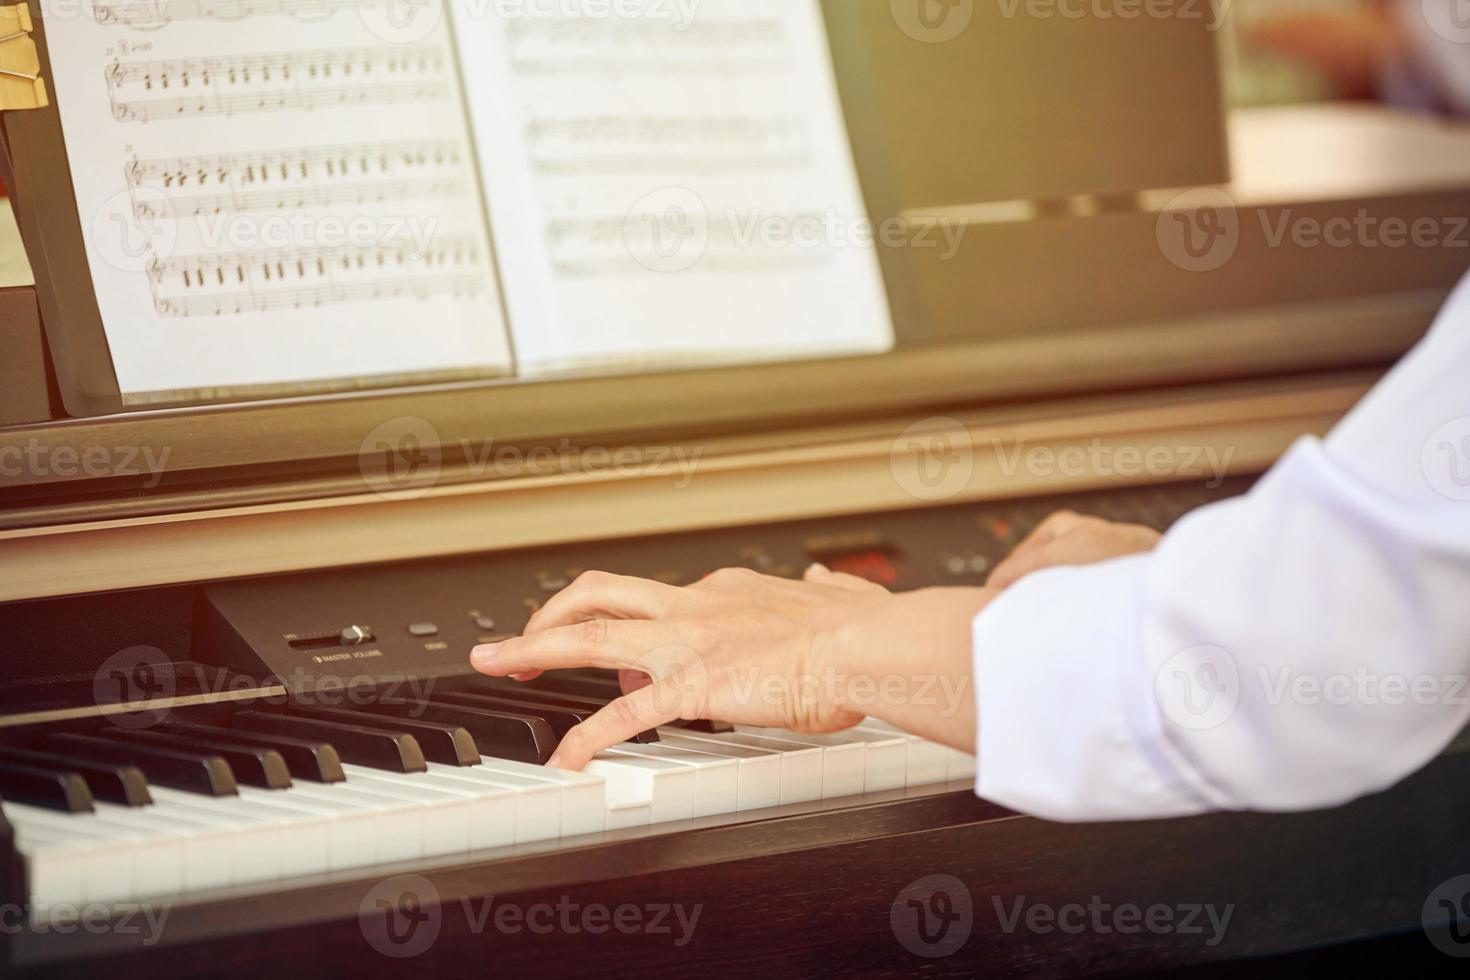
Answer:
(239, 733)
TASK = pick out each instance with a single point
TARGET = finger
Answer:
(610, 643)
(602, 595)
(646, 708)
(1054, 526)
(1020, 564)
(819, 574)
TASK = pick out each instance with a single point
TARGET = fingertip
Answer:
(815, 570)
(483, 657)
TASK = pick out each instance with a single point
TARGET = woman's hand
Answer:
(1066, 538)
(813, 656)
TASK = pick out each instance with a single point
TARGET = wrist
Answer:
(902, 648)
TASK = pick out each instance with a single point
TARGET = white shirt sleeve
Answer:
(1294, 648)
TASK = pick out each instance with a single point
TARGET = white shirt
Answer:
(1294, 648)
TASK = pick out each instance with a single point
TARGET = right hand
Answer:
(1067, 538)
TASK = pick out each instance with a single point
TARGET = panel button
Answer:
(423, 630)
(484, 623)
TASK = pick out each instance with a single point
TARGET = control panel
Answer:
(420, 619)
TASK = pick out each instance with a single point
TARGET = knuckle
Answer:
(624, 713)
(591, 579)
(593, 632)
(731, 576)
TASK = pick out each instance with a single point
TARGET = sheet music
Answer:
(275, 192)
(670, 183)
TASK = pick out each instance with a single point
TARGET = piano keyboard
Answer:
(222, 797)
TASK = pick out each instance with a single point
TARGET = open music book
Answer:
(301, 195)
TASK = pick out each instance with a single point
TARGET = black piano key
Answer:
(518, 736)
(600, 685)
(534, 700)
(121, 784)
(252, 765)
(309, 759)
(65, 791)
(560, 719)
(194, 772)
(704, 725)
(363, 745)
(449, 744)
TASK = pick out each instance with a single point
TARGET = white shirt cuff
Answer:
(1064, 730)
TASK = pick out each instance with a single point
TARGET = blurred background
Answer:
(1289, 51)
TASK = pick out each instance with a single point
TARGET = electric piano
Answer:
(258, 500)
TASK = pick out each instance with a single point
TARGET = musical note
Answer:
(607, 145)
(155, 14)
(142, 91)
(587, 48)
(276, 279)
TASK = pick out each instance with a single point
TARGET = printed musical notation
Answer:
(591, 48)
(315, 177)
(153, 14)
(608, 145)
(621, 245)
(276, 279)
(142, 91)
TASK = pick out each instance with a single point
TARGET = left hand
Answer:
(750, 649)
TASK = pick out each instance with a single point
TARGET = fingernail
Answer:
(482, 656)
(817, 566)
(554, 762)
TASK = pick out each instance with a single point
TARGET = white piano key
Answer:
(206, 857)
(667, 787)
(583, 796)
(844, 758)
(885, 760)
(758, 784)
(395, 825)
(54, 870)
(716, 780)
(446, 812)
(108, 853)
(960, 766)
(255, 842)
(801, 767)
(496, 804)
(537, 804)
(927, 763)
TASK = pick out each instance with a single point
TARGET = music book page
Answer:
(276, 195)
(670, 183)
